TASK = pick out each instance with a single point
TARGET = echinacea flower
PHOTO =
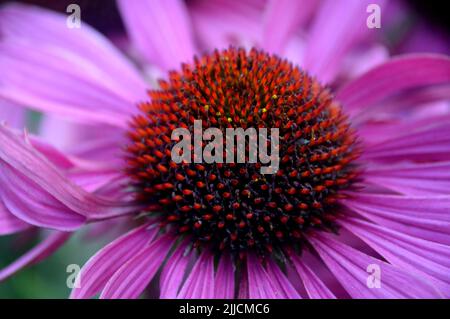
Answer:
(363, 183)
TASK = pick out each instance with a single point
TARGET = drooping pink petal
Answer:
(314, 286)
(30, 203)
(73, 72)
(200, 282)
(404, 251)
(336, 29)
(225, 278)
(42, 250)
(281, 282)
(397, 74)
(101, 267)
(55, 156)
(21, 162)
(131, 279)
(260, 284)
(416, 179)
(174, 270)
(424, 217)
(353, 269)
(160, 30)
(281, 19)
(9, 223)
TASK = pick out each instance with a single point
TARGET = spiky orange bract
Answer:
(234, 206)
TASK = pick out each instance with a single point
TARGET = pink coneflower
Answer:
(360, 206)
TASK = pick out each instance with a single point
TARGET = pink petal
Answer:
(336, 29)
(46, 27)
(160, 30)
(423, 217)
(74, 72)
(200, 282)
(406, 105)
(281, 282)
(418, 179)
(101, 267)
(10, 224)
(103, 143)
(394, 126)
(225, 278)
(22, 163)
(132, 277)
(28, 202)
(427, 145)
(314, 286)
(13, 114)
(387, 79)
(281, 19)
(45, 248)
(406, 252)
(350, 268)
(174, 270)
(260, 284)
(221, 23)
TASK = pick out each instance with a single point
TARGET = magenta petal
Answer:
(131, 279)
(225, 278)
(221, 23)
(417, 179)
(350, 267)
(73, 72)
(160, 30)
(14, 115)
(260, 284)
(281, 282)
(406, 252)
(424, 217)
(174, 270)
(336, 29)
(315, 287)
(281, 19)
(200, 282)
(10, 224)
(101, 267)
(25, 200)
(21, 162)
(398, 124)
(387, 79)
(430, 144)
(405, 106)
(43, 28)
(36, 254)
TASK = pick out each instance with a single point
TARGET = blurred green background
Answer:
(46, 279)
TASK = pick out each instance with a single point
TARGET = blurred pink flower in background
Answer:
(87, 91)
